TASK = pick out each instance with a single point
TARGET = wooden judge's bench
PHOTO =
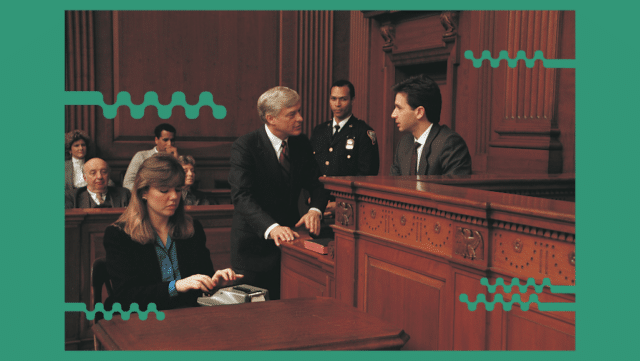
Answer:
(406, 248)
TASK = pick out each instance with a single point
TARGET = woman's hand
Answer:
(225, 277)
(195, 282)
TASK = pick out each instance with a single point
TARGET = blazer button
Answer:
(326, 163)
(330, 149)
(349, 156)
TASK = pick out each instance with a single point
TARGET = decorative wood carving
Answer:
(449, 20)
(331, 248)
(517, 246)
(534, 256)
(469, 243)
(388, 32)
(345, 213)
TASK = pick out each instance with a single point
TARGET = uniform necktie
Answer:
(414, 159)
(100, 198)
(335, 132)
(284, 159)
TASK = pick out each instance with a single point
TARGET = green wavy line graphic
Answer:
(506, 306)
(150, 99)
(81, 307)
(520, 55)
(516, 298)
(515, 282)
(489, 305)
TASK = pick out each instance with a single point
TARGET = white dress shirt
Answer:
(421, 140)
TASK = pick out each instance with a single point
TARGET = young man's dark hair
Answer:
(342, 82)
(164, 126)
(422, 91)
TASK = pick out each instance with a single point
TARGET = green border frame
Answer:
(32, 108)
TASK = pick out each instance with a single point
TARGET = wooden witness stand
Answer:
(406, 248)
(410, 279)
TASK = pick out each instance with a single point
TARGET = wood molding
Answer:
(314, 66)
(80, 69)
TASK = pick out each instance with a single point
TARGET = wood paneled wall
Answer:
(514, 120)
(315, 55)
(79, 68)
(517, 120)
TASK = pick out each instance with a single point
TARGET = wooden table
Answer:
(295, 324)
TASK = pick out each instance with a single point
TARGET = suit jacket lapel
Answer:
(426, 150)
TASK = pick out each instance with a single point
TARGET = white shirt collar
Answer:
(95, 198)
(422, 140)
(423, 137)
(275, 141)
(342, 123)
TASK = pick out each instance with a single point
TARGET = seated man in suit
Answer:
(97, 193)
(165, 140)
(429, 148)
(269, 167)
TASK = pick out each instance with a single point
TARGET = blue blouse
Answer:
(168, 260)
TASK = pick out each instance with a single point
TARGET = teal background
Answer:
(32, 115)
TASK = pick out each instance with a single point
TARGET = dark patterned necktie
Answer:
(414, 159)
(284, 159)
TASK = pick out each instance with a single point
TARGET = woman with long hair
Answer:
(155, 251)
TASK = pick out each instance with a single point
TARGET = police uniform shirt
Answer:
(353, 151)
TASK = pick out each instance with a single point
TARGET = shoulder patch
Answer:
(372, 135)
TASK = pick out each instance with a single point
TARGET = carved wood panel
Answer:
(534, 256)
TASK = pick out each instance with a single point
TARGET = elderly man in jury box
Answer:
(97, 193)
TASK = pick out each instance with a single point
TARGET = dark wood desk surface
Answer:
(294, 324)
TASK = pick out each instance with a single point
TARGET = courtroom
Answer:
(337, 180)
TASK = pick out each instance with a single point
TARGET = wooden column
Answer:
(525, 104)
(315, 53)
(359, 62)
(80, 68)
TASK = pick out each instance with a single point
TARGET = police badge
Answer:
(372, 135)
(350, 143)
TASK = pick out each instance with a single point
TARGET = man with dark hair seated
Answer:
(429, 148)
(97, 193)
(165, 140)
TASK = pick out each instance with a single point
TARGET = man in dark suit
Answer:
(269, 167)
(345, 145)
(429, 148)
(97, 193)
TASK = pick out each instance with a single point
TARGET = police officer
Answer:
(346, 145)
